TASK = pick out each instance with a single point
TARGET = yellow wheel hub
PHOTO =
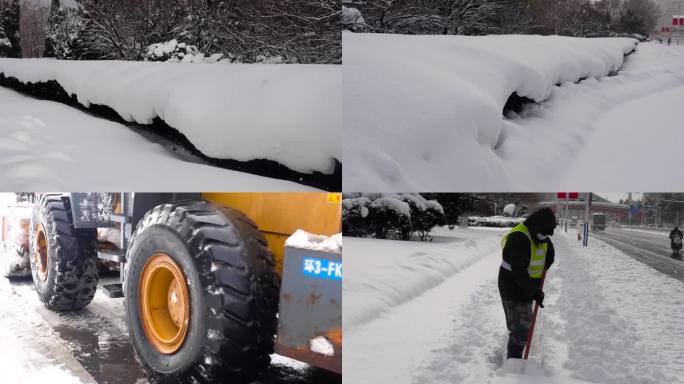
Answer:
(164, 303)
(41, 254)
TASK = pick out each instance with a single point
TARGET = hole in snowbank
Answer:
(159, 131)
(516, 103)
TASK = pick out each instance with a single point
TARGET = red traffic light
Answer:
(570, 195)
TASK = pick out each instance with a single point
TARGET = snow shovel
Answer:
(534, 320)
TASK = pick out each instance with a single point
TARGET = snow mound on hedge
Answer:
(419, 103)
(383, 274)
(291, 114)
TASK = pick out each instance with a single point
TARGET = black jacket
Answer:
(675, 232)
(517, 285)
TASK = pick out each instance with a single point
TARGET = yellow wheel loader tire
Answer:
(63, 259)
(201, 294)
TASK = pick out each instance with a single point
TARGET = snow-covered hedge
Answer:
(290, 114)
(446, 96)
(390, 215)
(494, 221)
(176, 52)
(355, 211)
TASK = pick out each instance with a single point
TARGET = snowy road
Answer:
(650, 248)
(608, 319)
(49, 146)
(90, 346)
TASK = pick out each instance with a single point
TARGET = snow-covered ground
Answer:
(286, 113)
(607, 319)
(90, 346)
(47, 146)
(418, 108)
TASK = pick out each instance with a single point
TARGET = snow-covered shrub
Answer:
(352, 19)
(417, 206)
(425, 214)
(430, 218)
(354, 216)
(494, 221)
(273, 59)
(389, 216)
(175, 52)
(509, 210)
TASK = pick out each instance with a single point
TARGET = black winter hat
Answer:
(541, 221)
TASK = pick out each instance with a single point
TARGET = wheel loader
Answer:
(211, 286)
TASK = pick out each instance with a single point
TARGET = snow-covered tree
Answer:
(64, 32)
(266, 31)
(454, 204)
(9, 28)
(638, 16)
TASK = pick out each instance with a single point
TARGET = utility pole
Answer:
(643, 208)
(566, 211)
(587, 206)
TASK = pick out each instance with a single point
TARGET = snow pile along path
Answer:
(290, 114)
(383, 274)
(619, 126)
(445, 96)
(47, 146)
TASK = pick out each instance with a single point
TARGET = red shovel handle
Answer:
(533, 321)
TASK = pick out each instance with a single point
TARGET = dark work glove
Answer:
(539, 298)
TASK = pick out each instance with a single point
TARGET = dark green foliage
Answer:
(454, 204)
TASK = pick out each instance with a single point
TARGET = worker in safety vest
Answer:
(527, 252)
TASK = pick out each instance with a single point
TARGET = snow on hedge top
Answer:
(412, 100)
(291, 114)
(306, 240)
(399, 207)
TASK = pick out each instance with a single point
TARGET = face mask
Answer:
(542, 237)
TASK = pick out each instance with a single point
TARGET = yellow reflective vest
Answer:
(537, 252)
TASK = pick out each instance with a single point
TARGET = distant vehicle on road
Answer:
(598, 221)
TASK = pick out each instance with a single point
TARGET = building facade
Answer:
(670, 10)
